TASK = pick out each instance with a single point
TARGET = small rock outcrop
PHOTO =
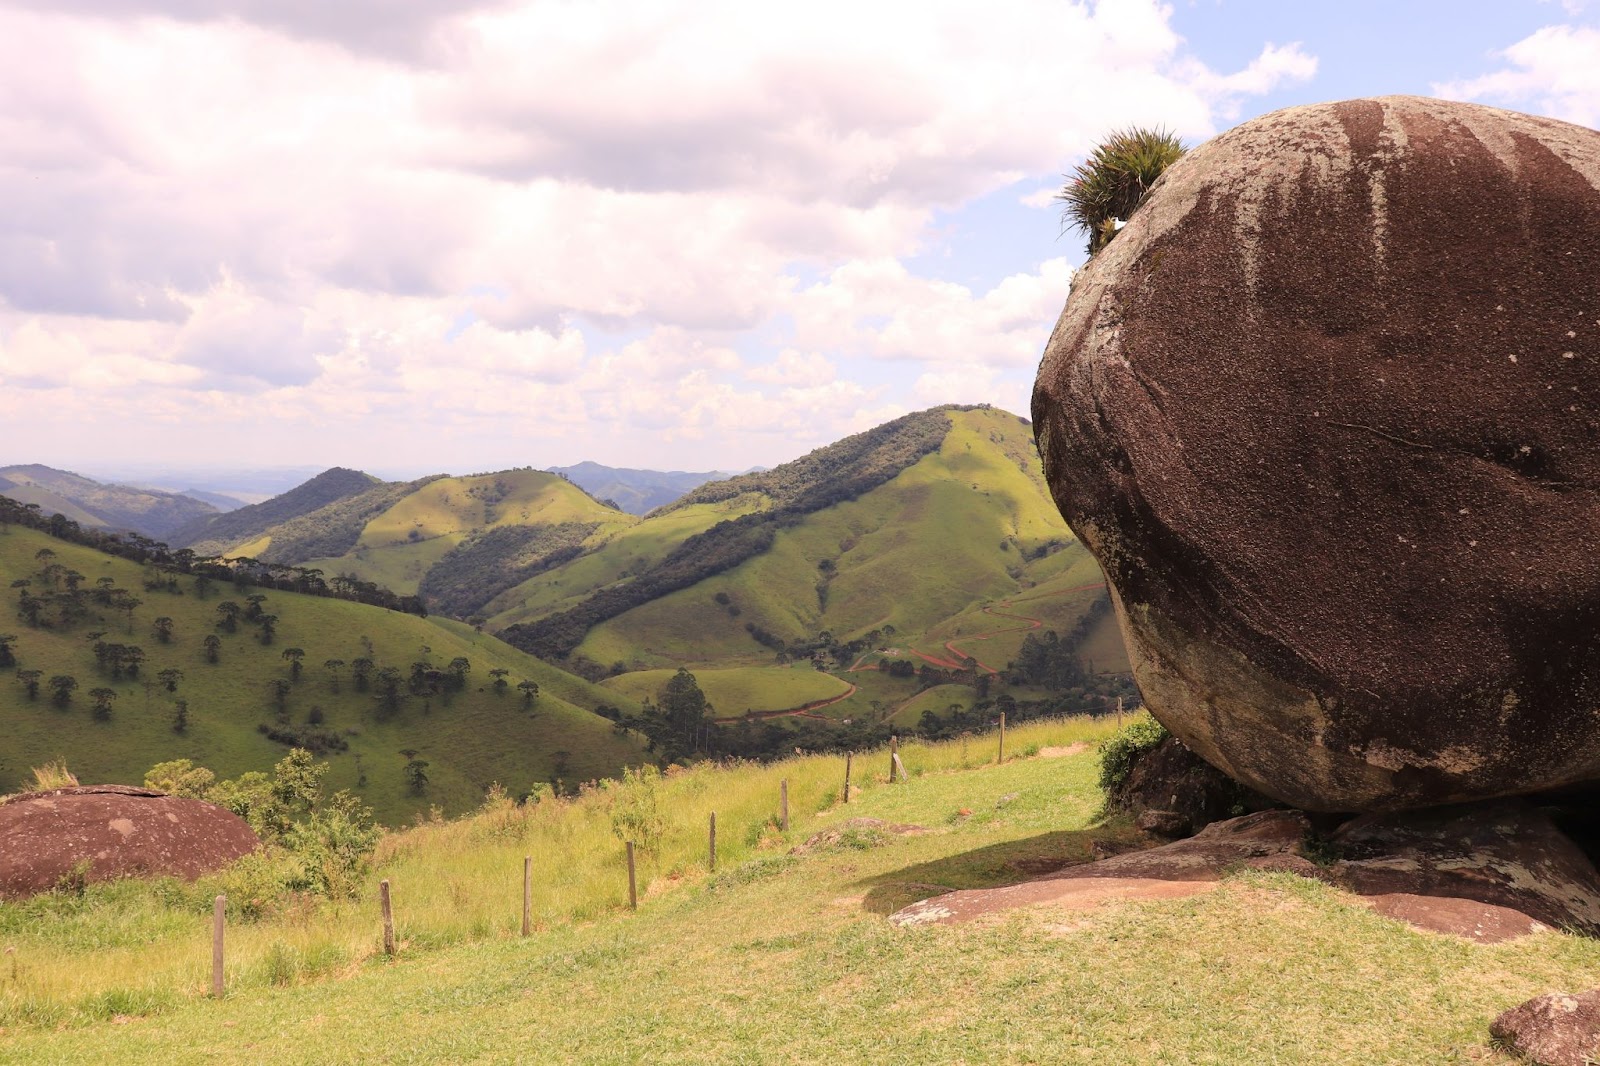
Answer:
(101, 832)
(1488, 873)
(1325, 412)
(1172, 792)
(1553, 1030)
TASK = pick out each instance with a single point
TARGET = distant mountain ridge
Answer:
(150, 512)
(218, 533)
(635, 491)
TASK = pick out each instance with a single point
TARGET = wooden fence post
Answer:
(388, 918)
(894, 756)
(847, 777)
(633, 882)
(783, 804)
(219, 908)
(711, 845)
(1119, 712)
(527, 894)
(1002, 757)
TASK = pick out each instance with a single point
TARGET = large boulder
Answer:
(101, 832)
(1327, 410)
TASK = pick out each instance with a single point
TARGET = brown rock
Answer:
(1163, 823)
(1324, 411)
(115, 831)
(1554, 1029)
(1505, 854)
(1171, 779)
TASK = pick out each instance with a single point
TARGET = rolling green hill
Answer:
(150, 512)
(915, 534)
(217, 534)
(469, 735)
(635, 491)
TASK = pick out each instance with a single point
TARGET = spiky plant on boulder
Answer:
(1106, 187)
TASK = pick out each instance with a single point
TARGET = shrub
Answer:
(635, 810)
(1119, 754)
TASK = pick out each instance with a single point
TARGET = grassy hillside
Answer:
(482, 534)
(954, 529)
(738, 689)
(220, 534)
(91, 503)
(777, 957)
(469, 738)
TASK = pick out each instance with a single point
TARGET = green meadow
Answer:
(778, 956)
(735, 690)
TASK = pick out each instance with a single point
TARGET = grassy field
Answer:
(738, 689)
(470, 739)
(782, 957)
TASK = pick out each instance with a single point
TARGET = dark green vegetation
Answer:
(328, 530)
(218, 533)
(490, 561)
(634, 491)
(228, 675)
(150, 512)
(1107, 187)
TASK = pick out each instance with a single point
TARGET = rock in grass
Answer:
(1554, 1029)
(1327, 410)
(70, 836)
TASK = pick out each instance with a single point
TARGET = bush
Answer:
(635, 813)
(1119, 753)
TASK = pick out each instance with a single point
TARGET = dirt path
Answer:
(995, 611)
(805, 710)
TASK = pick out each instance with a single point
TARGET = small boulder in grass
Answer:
(1554, 1029)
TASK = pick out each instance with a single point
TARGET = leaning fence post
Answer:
(527, 894)
(711, 845)
(894, 756)
(219, 908)
(388, 917)
(633, 883)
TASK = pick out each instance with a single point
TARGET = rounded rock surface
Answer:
(1327, 411)
(101, 832)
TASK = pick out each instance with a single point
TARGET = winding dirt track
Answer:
(805, 710)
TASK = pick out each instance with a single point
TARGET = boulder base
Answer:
(1554, 1029)
(101, 832)
(1326, 412)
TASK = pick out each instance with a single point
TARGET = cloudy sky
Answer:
(426, 235)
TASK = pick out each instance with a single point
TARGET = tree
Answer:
(499, 674)
(62, 686)
(459, 668)
(684, 710)
(361, 669)
(125, 602)
(280, 693)
(162, 628)
(180, 716)
(29, 680)
(333, 666)
(416, 772)
(294, 655)
(103, 699)
(230, 616)
(1103, 191)
(529, 690)
(213, 645)
(269, 627)
(7, 656)
(170, 677)
(252, 613)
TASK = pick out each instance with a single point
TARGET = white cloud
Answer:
(1555, 72)
(430, 215)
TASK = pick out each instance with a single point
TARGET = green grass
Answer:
(785, 958)
(470, 740)
(946, 533)
(734, 690)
